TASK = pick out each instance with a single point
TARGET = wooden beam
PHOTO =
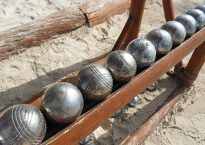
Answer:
(99, 11)
(35, 32)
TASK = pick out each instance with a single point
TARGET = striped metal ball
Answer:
(121, 65)
(176, 30)
(143, 51)
(199, 16)
(188, 22)
(202, 8)
(161, 39)
(62, 102)
(22, 125)
(95, 82)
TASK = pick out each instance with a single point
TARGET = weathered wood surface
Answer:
(19, 38)
(35, 32)
(99, 11)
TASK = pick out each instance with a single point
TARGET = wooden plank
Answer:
(18, 38)
(89, 121)
(35, 32)
(139, 136)
(100, 10)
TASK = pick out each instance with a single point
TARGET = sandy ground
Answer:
(25, 74)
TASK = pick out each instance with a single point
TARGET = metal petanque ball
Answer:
(188, 22)
(199, 16)
(135, 101)
(176, 30)
(95, 82)
(121, 65)
(161, 39)
(62, 102)
(202, 8)
(143, 51)
(22, 125)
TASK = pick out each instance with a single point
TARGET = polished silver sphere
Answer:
(161, 39)
(199, 16)
(188, 22)
(135, 101)
(22, 125)
(95, 82)
(121, 65)
(143, 51)
(62, 102)
(176, 30)
(202, 8)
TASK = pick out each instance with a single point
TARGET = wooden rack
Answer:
(84, 125)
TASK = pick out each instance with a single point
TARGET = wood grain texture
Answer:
(35, 32)
(19, 38)
(99, 11)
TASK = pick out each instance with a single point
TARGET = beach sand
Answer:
(24, 74)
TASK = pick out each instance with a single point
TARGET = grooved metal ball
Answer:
(199, 16)
(188, 22)
(62, 102)
(202, 8)
(121, 65)
(143, 51)
(161, 39)
(22, 125)
(95, 82)
(176, 30)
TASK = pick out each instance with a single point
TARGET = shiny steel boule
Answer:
(143, 51)
(176, 30)
(199, 16)
(121, 65)
(22, 125)
(95, 82)
(135, 101)
(202, 8)
(161, 39)
(188, 22)
(62, 102)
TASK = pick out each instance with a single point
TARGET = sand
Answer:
(25, 74)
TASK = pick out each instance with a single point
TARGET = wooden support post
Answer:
(195, 64)
(169, 15)
(168, 10)
(132, 27)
